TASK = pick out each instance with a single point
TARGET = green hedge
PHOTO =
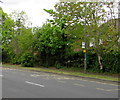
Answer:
(27, 59)
(16, 59)
(111, 62)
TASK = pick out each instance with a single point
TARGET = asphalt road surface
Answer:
(18, 83)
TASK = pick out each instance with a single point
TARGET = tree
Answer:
(7, 28)
(20, 28)
(100, 32)
(17, 38)
(6, 34)
(85, 19)
(63, 18)
(21, 21)
(24, 41)
(48, 41)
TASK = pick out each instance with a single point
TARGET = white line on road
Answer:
(34, 75)
(102, 89)
(1, 75)
(106, 89)
(34, 84)
(100, 82)
(79, 85)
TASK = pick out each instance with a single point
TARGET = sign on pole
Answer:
(83, 44)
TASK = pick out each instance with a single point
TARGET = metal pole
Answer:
(85, 64)
(85, 58)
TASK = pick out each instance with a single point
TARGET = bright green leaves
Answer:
(6, 34)
(16, 38)
(7, 29)
(25, 40)
(61, 37)
(49, 39)
(85, 21)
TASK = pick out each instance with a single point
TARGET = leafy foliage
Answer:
(27, 59)
(58, 42)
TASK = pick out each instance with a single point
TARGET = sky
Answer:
(33, 8)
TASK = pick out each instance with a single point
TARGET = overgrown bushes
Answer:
(27, 60)
(16, 59)
(110, 61)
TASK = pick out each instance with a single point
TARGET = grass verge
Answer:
(104, 77)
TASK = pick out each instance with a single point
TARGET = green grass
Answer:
(64, 71)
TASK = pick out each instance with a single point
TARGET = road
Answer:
(17, 83)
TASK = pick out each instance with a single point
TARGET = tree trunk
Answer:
(100, 62)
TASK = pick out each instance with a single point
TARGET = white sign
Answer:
(83, 44)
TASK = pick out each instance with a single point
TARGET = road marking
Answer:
(114, 89)
(107, 89)
(34, 75)
(1, 75)
(101, 82)
(34, 84)
(84, 80)
(114, 84)
(62, 81)
(108, 84)
(102, 89)
(80, 85)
